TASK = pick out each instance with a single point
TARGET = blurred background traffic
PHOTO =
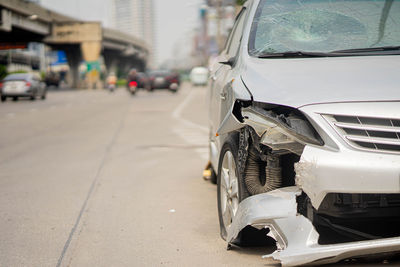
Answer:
(79, 44)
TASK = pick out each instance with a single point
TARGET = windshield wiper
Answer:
(369, 49)
(292, 54)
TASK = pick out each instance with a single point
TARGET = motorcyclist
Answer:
(111, 81)
(132, 77)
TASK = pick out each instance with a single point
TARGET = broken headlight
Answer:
(286, 131)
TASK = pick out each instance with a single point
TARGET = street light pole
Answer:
(220, 14)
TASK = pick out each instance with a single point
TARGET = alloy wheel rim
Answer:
(229, 189)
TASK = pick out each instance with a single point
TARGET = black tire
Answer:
(230, 145)
(43, 97)
(213, 178)
(3, 98)
(15, 98)
(33, 98)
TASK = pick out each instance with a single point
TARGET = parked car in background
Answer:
(22, 85)
(305, 129)
(164, 79)
(199, 76)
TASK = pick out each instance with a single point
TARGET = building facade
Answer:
(135, 17)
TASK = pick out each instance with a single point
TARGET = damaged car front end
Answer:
(306, 143)
(341, 200)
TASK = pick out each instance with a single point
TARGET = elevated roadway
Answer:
(22, 22)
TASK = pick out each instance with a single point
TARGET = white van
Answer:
(199, 76)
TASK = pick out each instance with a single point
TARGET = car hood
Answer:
(304, 81)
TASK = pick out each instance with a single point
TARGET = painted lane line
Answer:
(177, 113)
(192, 133)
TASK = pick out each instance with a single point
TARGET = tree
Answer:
(3, 71)
(240, 2)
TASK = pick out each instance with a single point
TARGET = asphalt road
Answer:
(92, 178)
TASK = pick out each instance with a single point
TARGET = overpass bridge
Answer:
(22, 22)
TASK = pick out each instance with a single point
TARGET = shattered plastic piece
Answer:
(262, 209)
(296, 237)
(303, 248)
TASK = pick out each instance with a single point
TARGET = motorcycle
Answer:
(111, 87)
(133, 87)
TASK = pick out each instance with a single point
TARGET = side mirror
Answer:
(229, 62)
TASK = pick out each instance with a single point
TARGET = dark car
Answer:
(143, 81)
(52, 79)
(164, 79)
(22, 85)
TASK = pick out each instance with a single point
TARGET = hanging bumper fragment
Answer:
(296, 237)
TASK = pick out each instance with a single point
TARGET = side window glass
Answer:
(229, 39)
(236, 35)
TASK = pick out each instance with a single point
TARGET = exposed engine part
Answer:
(243, 148)
(261, 177)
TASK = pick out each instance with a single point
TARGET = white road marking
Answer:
(192, 133)
(178, 110)
(10, 115)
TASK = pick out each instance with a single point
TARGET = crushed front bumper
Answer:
(296, 237)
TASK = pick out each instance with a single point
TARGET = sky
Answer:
(174, 20)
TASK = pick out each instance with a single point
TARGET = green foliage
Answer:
(240, 2)
(3, 71)
(121, 83)
(18, 71)
(42, 75)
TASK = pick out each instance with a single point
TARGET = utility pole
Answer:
(220, 15)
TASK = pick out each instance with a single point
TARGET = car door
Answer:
(221, 77)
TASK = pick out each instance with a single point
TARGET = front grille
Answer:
(379, 134)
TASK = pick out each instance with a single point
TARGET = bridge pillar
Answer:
(74, 57)
(91, 53)
(84, 39)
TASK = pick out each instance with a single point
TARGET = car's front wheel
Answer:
(230, 186)
(3, 98)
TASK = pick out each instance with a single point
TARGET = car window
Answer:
(236, 34)
(229, 39)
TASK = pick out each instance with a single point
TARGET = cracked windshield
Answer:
(199, 133)
(324, 26)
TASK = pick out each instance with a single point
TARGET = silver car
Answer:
(22, 85)
(305, 128)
